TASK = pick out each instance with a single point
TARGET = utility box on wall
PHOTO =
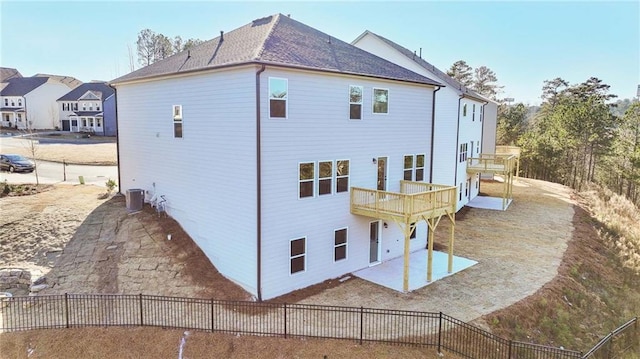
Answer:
(135, 199)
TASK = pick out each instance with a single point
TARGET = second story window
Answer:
(306, 179)
(464, 110)
(19, 102)
(97, 107)
(355, 102)
(380, 101)
(473, 116)
(6, 102)
(325, 177)
(481, 109)
(408, 168)
(278, 96)
(342, 176)
(462, 154)
(414, 168)
(84, 106)
(177, 121)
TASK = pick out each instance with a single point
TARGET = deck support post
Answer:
(452, 218)
(405, 276)
(431, 224)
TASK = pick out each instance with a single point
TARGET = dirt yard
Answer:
(518, 251)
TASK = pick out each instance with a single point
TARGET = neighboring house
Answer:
(7, 73)
(30, 102)
(90, 107)
(462, 117)
(265, 141)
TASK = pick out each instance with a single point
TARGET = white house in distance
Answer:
(30, 102)
(90, 107)
(462, 117)
(279, 148)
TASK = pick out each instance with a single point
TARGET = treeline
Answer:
(153, 46)
(577, 136)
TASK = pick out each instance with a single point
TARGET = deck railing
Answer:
(489, 163)
(415, 199)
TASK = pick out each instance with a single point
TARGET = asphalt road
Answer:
(53, 172)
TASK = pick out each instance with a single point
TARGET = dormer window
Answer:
(13, 103)
(98, 107)
(84, 106)
(6, 102)
(19, 102)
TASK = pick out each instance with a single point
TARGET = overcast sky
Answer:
(524, 43)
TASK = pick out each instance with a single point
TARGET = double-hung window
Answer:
(297, 254)
(473, 117)
(278, 97)
(339, 244)
(355, 102)
(306, 178)
(342, 176)
(408, 168)
(462, 154)
(325, 177)
(414, 169)
(380, 101)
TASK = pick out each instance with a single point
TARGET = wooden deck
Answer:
(417, 201)
(500, 164)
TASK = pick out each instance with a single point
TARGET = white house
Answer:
(90, 108)
(263, 138)
(462, 117)
(30, 102)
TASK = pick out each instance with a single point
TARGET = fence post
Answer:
(285, 320)
(440, 333)
(141, 315)
(510, 348)
(66, 309)
(212, 316)
(361, 323)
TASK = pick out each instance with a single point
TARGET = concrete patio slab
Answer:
(486, 202)
(389, 274)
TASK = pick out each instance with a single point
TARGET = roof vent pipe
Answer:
(420, 52)
(221, 35)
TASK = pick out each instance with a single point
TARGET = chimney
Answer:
(221, 35)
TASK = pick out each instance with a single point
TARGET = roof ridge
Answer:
(439, 73)
(260, 49)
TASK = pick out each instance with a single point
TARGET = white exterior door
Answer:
(375, 248)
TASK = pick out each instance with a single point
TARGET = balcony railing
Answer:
(416, 200)
(489, 163)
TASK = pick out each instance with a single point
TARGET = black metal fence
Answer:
(270, 319)
(622, 341)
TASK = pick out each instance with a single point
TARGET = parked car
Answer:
(16, 163)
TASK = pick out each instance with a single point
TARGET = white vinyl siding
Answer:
(317, 131)
(218, 151)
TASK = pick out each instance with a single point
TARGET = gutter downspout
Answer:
(457, 161)
(258, 187)
(433, 127)
(115, 99)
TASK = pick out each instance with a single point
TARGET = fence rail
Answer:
(357, 324)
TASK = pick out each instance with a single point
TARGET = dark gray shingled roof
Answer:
(20, 86)
(279, 40)
(77, 92)
(450, 81)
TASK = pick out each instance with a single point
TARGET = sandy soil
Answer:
(34, 229)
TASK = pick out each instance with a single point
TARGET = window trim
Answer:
(285, 99)
(304, 255)
(312, 180)
(330, 178)
(345, 244)
(177, 115)
(347, 176)
(405, 169)
(373, 100)
(361, 103)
